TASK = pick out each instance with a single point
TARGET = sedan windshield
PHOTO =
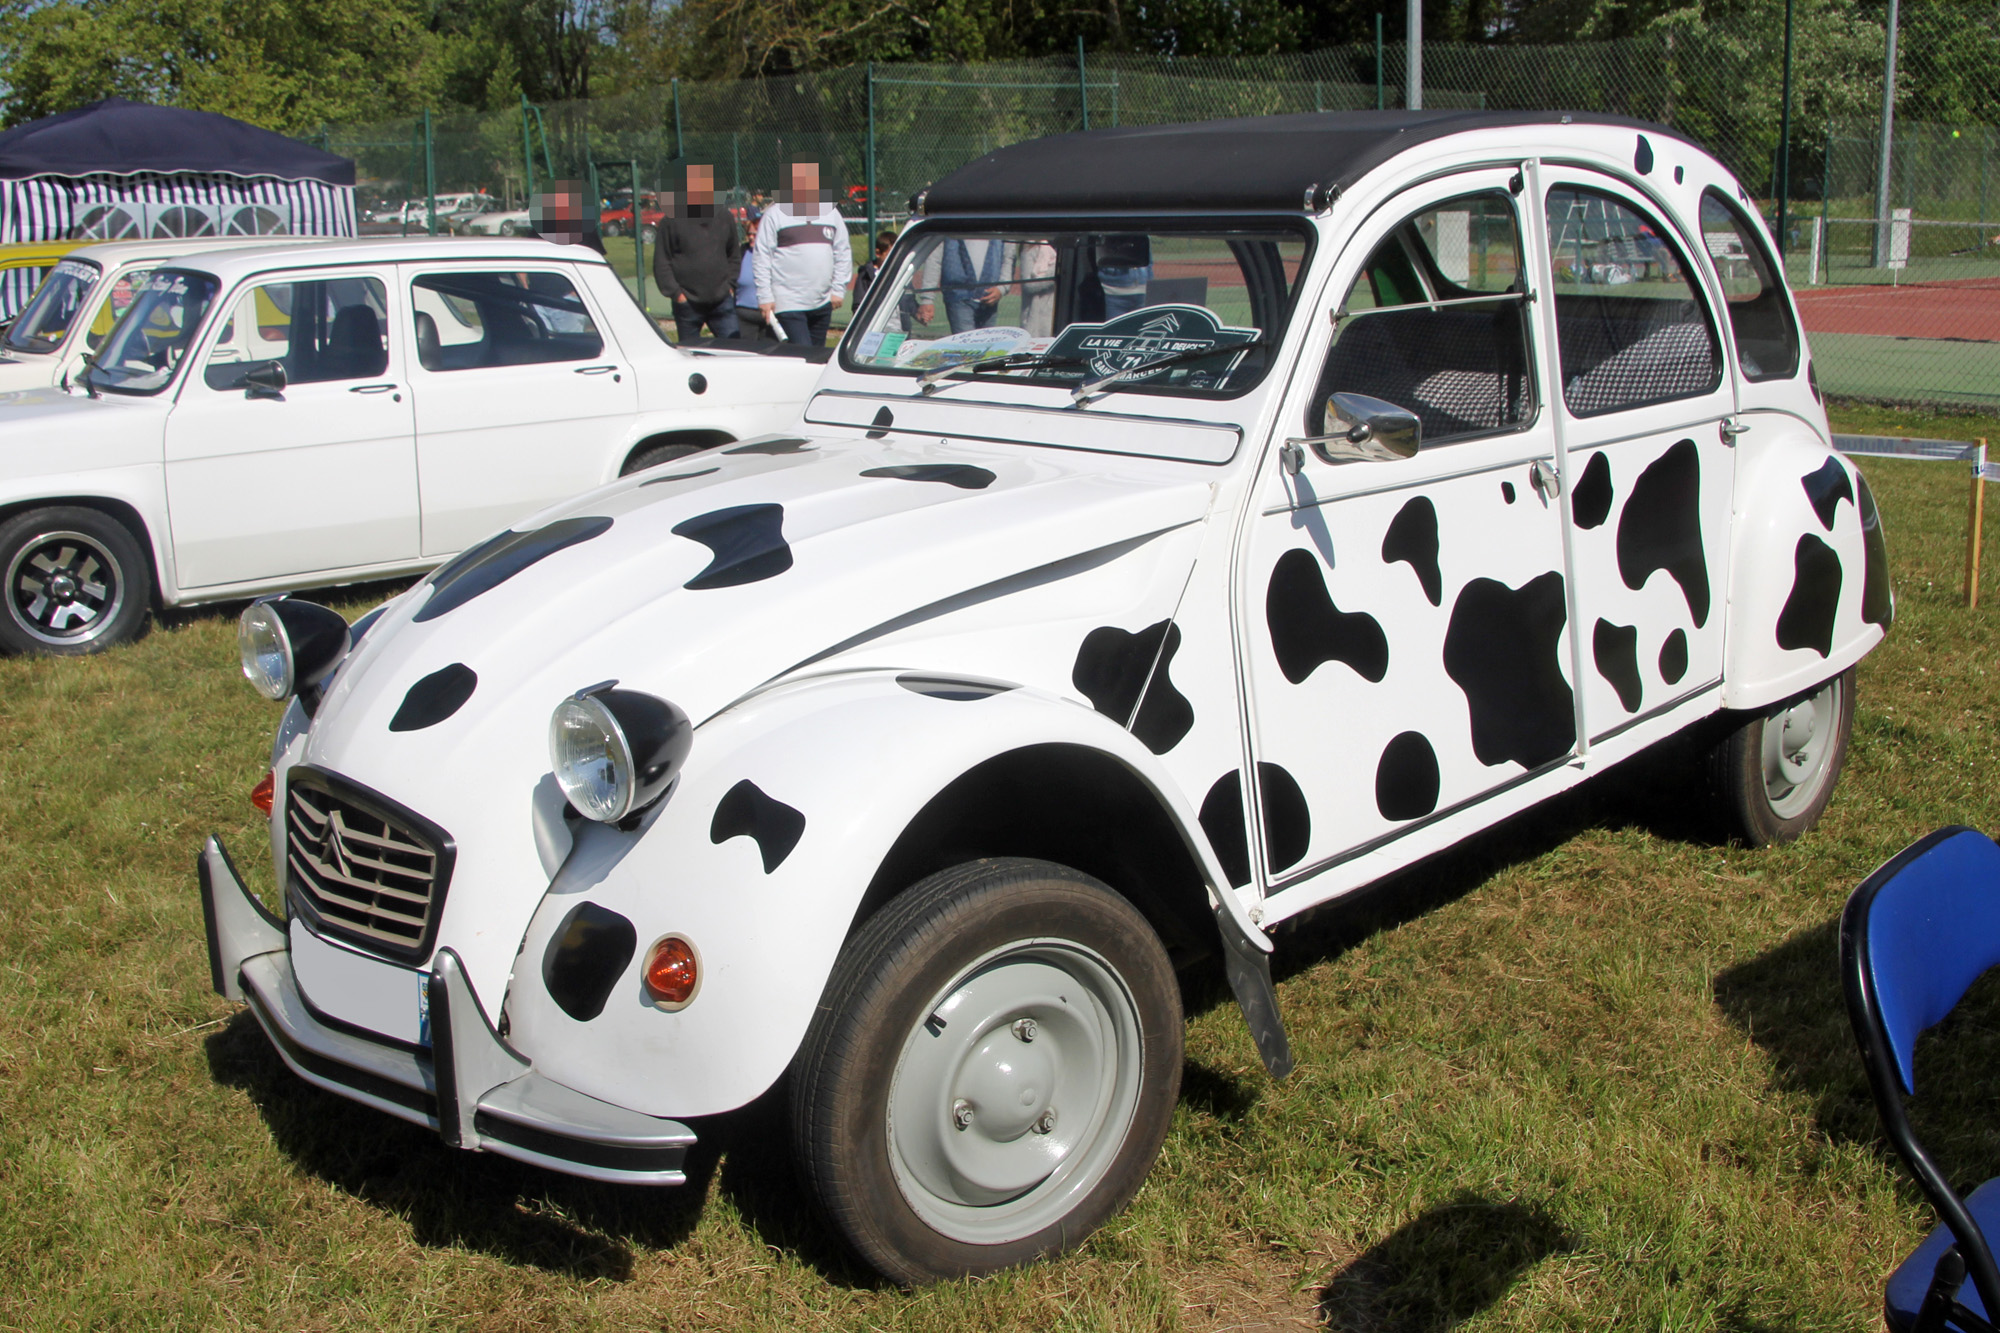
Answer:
(53, 308)
(148, 344)
(1192, 312)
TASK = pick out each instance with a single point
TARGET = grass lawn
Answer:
(1589, 1071)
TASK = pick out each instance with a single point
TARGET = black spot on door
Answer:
(1507, 491)
(435, 698)
(1616, 650)
(1308, 629)
(1164, 715)
(1413, 537)
(679, 476)
(1112, 667)
(748, 542)
(1406, 778)
(1660, 527)
(1807, 620)
(497, 559)
(586, 956)
(1674, 657)
(745, 810)
(1878, 603)
(884, 419)
(1500, 648)
(1591, 504)
(962, 475)
(788, 444)
(1826, 486)
(1222, 820)
(1642, 158)
(1287, 821)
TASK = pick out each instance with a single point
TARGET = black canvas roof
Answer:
(1254, 163)
(122, 138)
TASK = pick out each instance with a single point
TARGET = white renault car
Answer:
(1199, 522)
(273, 417)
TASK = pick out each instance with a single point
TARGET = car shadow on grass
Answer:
(1443, 1267)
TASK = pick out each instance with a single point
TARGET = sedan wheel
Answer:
(75, 582)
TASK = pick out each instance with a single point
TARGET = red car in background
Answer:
(617, 220)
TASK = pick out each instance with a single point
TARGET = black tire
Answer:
(985, 997)
(656, 454)
(76, 582)
(1775, 772)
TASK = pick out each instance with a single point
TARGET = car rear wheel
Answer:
(1776, 772)
(991, 1072)
(76, 582)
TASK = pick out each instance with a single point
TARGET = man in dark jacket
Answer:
(695, 259)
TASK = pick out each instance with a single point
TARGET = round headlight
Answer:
(615, 752)
(289, 646)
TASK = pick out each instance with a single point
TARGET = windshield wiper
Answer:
(928, 381)
(1104, 384)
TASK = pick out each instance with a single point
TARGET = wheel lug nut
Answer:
(1025, 1028)
(961, 1114)
(1046, 1123)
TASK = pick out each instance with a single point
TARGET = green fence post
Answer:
(868, 248)
(527, 156)
(430, 179)
(416, 170)
(1825, 205)
(1379, 102)
(680, 144)
(1985, 149)
(1785, 144)
(639, 241)
(1082, 83)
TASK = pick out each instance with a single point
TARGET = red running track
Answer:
(1968, 310)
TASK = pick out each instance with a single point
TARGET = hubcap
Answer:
(1014, 1092)
(1798, 748)
(64, 588)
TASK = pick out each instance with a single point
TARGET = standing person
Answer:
(695, 258)
(558, 215)
(864, 277)
(749, 319)
(802, 259)
(972, 275)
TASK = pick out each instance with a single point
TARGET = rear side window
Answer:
(1631, 326)
(469, 321)
(1767, 341)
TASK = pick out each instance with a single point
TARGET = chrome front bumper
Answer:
(475, 1090)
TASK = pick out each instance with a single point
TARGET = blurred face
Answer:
(701, 186)
(805, 184)
(557, 214)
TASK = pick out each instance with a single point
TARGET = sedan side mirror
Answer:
(1360, 428)
(266, 379)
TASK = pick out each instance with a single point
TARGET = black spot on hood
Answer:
(954, 688)
(1413, 537)
(1826, 486)
(1500, 648)
(745, 810)
(1287, 819)
(777, 444)
(680, 476)
(1112, 667)
(1642, 157)
(1164, 715)
(1616, 650)
(435, 698)
(1878, 603)
(884, 419)
(586, 956)
(1406, 778)
(1660, 527)
(1807, 620)
(748, 542)
(962, 475)
(1591, 501)
(497, 559)
(1308, 629)
(1222, 820)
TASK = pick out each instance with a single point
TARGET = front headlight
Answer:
(289, 646)
(615, 752)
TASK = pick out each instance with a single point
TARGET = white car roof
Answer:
(230, 265)
(113, 253)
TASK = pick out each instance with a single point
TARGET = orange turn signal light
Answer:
(265, 791)
(673, 973)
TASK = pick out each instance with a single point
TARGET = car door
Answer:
(1404, 622)
(316, 477)
(1644, 403)
(521, 396)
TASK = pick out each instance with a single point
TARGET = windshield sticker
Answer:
(77, 269)
(1155, 333)
(959, 348)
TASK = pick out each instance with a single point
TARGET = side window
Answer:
(124, 289)
(1630, 323)
(465, 321)
(327, 329)
(1436, 324)
(1767, 341)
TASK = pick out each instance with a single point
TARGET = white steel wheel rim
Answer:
(64, 588)
(1798, 750)
(998, 1129)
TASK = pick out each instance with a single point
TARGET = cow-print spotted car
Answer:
(1197, 523)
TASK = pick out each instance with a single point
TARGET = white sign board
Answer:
(1899, 238)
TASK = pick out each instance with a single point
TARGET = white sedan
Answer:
(277, 417)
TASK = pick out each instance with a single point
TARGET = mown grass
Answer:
(1590, 1071)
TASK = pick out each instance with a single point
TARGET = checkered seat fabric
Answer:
(1611, 362)
(1461, 371)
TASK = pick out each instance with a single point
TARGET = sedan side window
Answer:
(1436, 324)
(319, 331)
(465, 321)
(1767, 341)
(1631, 325)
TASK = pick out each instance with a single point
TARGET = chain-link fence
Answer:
(1895, 314)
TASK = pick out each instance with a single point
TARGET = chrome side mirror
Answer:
(1364, 429)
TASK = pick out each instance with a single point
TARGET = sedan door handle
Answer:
(595, 370)
(371, 388)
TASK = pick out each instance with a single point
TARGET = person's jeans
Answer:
(720, 316)
(807, 328)
(1131, 285)
(965, 314)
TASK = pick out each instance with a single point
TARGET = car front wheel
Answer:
(1775, 773)
(76, 582)
(991, 1072)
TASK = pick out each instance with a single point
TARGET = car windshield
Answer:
(53, 308)
(1191, 312)
(149, 343)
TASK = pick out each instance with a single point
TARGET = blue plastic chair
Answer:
(1914, 937)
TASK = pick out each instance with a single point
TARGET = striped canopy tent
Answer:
(122, 170)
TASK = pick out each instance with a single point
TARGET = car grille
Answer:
(364, 868)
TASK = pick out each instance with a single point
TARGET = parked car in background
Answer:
(22, 268)
(260, 417)
(1198, 523)
(511, 222)
(617, 219)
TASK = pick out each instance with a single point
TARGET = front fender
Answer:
(760, 857)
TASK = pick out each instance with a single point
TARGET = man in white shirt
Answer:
(801, 259)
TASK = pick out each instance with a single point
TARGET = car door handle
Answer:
(1730, 428)
(595, 370)
(372, 388)
(1542, 475)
